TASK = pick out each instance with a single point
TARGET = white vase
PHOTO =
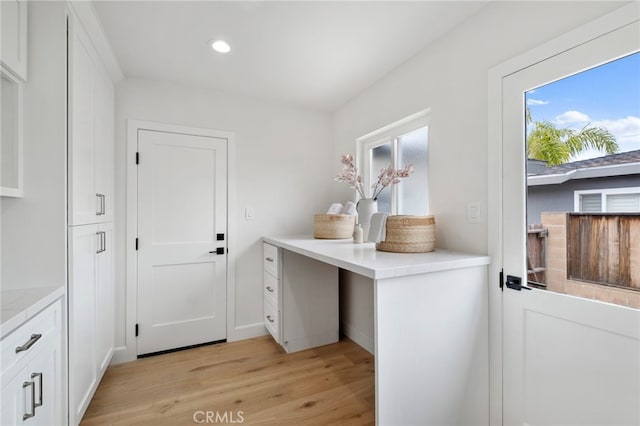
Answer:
(366, 207)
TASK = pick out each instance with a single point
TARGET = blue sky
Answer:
(606, 96)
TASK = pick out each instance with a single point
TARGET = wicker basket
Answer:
(333, 226)
(409, 234)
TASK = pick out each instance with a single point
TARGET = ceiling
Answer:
(306, 53)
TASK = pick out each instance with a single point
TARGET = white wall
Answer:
(284, 170)
(450, 77)
(34, 227)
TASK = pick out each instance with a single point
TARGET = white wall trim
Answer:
(129, 352)
(86, 13)
(596, 28)
(247, 331)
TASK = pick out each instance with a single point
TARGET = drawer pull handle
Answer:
(269, 318)
(269, 289)
(39, 376)
(33, 401)
(269, 259)
(34, 338)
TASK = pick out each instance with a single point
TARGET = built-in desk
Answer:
(431, 327)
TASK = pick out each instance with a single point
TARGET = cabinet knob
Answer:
(269, 318)
(269, 289)
(269, 259)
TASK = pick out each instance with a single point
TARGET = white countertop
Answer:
(19, 305)
(365, 260)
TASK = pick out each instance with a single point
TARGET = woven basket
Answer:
(409, 234)
(333, 226)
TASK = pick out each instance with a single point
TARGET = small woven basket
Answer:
(333, 226)
(409, 234)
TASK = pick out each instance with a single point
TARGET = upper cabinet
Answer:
(13, 73)
(91, 107)
(11, 135)
(14, 36)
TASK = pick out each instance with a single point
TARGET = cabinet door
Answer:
(91, 133)
(36, 390)
(13, 398)
(105, 299)
(103, 162)
(14, 36)
(84, 242)
(83, 201)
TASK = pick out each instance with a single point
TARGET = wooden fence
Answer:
(604, 248)
(536, 254)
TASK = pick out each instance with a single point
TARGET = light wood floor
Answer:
(252, 380)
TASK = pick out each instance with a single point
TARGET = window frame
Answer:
(389, 134)
(603, 194)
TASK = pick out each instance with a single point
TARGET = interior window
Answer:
(398, 145)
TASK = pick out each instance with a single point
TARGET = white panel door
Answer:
(566, 360)
(182, 206)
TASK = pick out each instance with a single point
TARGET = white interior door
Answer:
(182, 208)
(566, 360)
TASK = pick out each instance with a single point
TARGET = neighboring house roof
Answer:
(625, 163)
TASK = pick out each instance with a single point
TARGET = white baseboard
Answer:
(362, 339)
(121, 355)
(247, 332)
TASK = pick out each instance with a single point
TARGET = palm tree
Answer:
(556, 145)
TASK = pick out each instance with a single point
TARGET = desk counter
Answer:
(365, 260)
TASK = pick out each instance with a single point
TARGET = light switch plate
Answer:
(473, 212)
(249, 213)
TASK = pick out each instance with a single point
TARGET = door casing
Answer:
(128, 352)
(596, 28)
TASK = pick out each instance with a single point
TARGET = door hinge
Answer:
(501, 278)
(136, 330)
(136, 244)
(137, 158)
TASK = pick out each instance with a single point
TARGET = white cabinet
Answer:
(91, 312)
(91, 285)
(271, 289)
(13, 72)
(300, 299)
(11, 137)
(91, 106)
(32, 371)
(14, 37)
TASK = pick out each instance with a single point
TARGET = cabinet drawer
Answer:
(45, 324)
(271, 288)
(271, 260)
(271, 319)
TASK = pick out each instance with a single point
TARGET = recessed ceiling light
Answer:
(220, 46)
